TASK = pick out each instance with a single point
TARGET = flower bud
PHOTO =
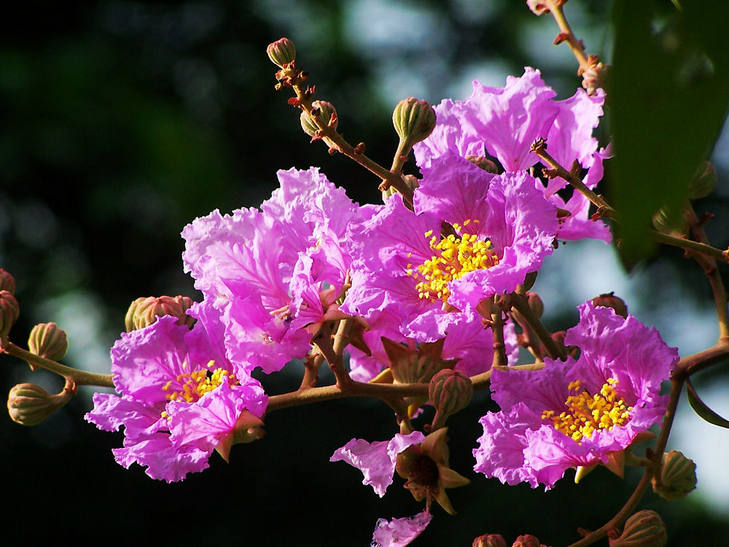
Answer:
(449, 391)
(281, 52)
(7, 281)
(704, 181)
(413, 119)
(144, 311)
(668, 222)
(489, 540)
(535, 303)
(643, 529)
(484, 163)
(29, 404)
(526, 540)
(328, 116)
(538, 7)
(609, 300)
(9, 313)
(678, 476)
(47, 340)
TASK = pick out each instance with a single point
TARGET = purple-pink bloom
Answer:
(407, 268)
(179, 398)
(609, 395)
(399, 532)
(272, 272)
(376, 460)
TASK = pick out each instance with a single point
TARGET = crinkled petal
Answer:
(399, 532)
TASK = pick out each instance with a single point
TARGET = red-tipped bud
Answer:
(144, 311)
(678, 476)
(414, 120)
(489, 540)
(47, 340)
(535, 303)
(281, 52)
(609, 300)
(9, 313)
(538, 7)
(643, 529)
(327, 115)
(526, 540)
(449, 391)
(7, 281)
(29, 404)
(704, 181)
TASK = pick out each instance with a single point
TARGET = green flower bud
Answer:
(678, 476)
(328, 115)
(704, 181)
(643, 529)
(413, 119)
(526, 540)
(144, 311)
(489, 540)
(47, 340)
(449, 391)
(668, 222)
(535, 303)
(609, 300)
(29, 404)
(281, 52)
(7, 281)
(9, 313)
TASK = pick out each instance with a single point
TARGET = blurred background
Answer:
(123, 121)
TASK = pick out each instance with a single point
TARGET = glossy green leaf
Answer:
(701, 409)
(668, 93)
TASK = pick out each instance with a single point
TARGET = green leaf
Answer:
(701, 409)
(668, 93)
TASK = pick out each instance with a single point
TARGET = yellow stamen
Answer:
(453, 258)
(193, 385)
(587, 413)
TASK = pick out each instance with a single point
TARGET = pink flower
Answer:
(399, 532)
(578, 412)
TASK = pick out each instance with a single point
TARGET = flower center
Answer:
(453, 257)
(193, 385)
(585, 413)
(424, 472)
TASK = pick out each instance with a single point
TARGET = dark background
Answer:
(122, 122)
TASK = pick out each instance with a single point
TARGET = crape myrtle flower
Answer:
(399, 532)
(408, 267)
(179, 397)
(504, 122)
(273, 274)
(581, 412)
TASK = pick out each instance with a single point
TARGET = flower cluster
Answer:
(422, 284)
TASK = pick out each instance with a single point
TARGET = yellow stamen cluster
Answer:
(453, 258)
(585, 413)
(195, 384)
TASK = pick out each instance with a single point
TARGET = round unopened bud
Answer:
(535, 303)
(449, 391)
(526, 540)
(484, 163)
(29, 404)
(9, 313)
(7, 281)
(668, 222)
(327, 115)
(489, 540)
(144, 311)
(47, 340)
(678, 476)
(643, 529)
(609, 300)
(281, 52)
(704, 181)
(414, 120)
